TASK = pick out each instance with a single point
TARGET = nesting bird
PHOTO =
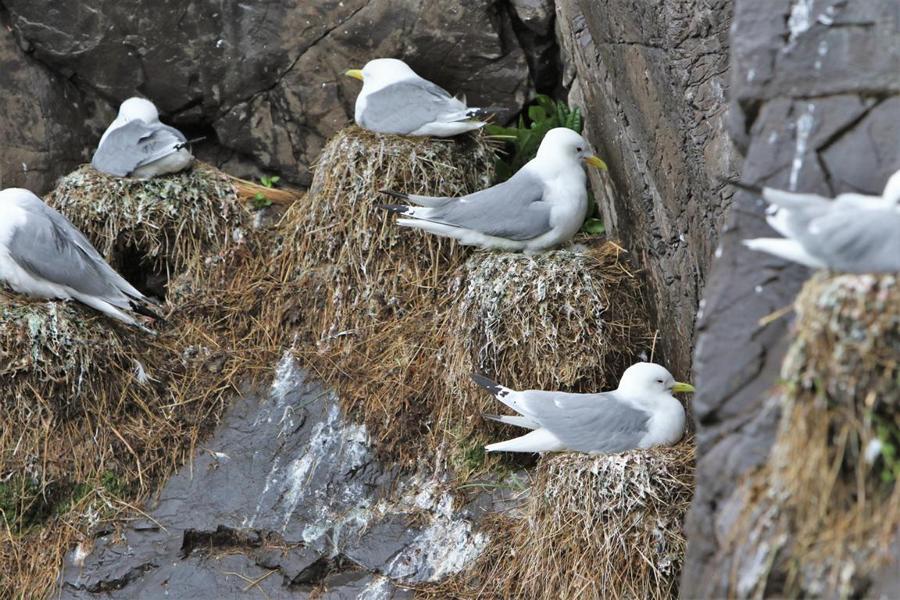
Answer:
(43, 255)
(541, 206)
(853, 233)
(138, 145)
(640, 413)
(394, 99)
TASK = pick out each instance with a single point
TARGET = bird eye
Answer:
(659, 381)
(579, 148)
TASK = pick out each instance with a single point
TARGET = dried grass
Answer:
(85, 437)
(822, 514)
(593, 527)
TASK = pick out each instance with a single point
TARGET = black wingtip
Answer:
(142, 309)
(492, 386)
(394, 194)
(747, 187)
(394, 208)
(480, 113)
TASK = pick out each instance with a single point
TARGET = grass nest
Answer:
(825, 509)
(568, 319)
(160, 225)
(593, 527)
(369, 295)
(97, 414)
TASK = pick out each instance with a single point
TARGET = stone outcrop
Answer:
(652, 78)
(43, 121)
(815, 106)
(287, 498)
(264, 80)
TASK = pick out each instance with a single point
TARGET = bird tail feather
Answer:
(539, 440)
(784, 248)
(523, 422)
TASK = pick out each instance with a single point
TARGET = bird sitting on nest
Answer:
(43, 255)
(541, 206)
(853, 233)
(640, 413)
(138, 145)
(394, 99)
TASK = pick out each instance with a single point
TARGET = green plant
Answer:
(889, 436)
(541, 116)
(260, 200)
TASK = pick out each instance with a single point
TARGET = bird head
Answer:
(138, 108)
(381, 72)
(563, 146)
(649, 378)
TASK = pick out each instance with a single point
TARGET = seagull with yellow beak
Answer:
(640, 413)
(540, 207)
(394, 99)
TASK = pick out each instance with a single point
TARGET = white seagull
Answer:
(43, 255)
(543, 205)
(396, 100)
(853, 233)
(640, 413)
(138, 145)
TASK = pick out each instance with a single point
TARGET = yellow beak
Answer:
(682, 387)
(355, 74)
(595, 162)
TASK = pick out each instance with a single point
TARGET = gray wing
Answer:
(856, 240)
(513, 210)
(49, 247)
(588, 422)
(405, 106)
(134, 145)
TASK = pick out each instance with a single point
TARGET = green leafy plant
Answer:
(889, 436)
(541, 116)
(260, 200)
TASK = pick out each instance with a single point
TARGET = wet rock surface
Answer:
(815, 108)
(285, 498)
(652, 77)
(264, 80)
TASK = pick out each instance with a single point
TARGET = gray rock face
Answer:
(266, 78)
(651, 77)
(288, 495)
(43, 121)
(815, 107)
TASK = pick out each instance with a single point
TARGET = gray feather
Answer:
(405, 106)
(134, 145)
(587, 422)
(49, 247)
(513, 210)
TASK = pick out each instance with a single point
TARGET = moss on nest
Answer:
(593, 527)
(167, 222)
(568, 319)
(821, 513)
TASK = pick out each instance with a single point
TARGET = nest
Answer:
(369, 295)
(825, 507)
(95, 413)
(164, 223)
(567, 319)
(594, 527)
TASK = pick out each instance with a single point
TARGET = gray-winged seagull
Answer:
(138, 145)
(543, 205)
(640, 413)
(853, 233)
(43, 255)
(394, 99)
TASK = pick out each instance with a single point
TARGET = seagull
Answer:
(853, 233)
(543, 205)
(640, 413)
(137, 145)
(43, 255)
(396, 100)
